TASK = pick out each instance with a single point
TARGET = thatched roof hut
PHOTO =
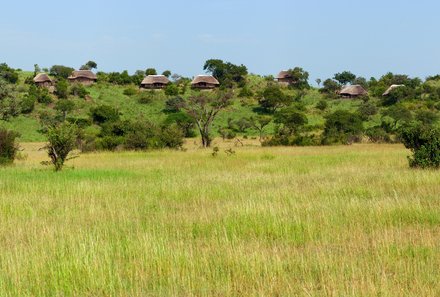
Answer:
(85, 77)
(43, 80)
(285, 77)
(392, 87)
(204, 82)
(155, 82)
(353, 91)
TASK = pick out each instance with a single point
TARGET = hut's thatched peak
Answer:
(353, 91)
(41, 78)
(208, 79)
(83, 74)
(155, 79)
(392, 87)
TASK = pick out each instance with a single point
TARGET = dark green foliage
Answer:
(377, 134)
(299, 78)
(130, 91)
(273, 98)
(361, 81)
(342, 127)
(171, 90)
(245, 92)
(8, 74)
(378, 87)
(150, 71)
(424, 143)
(396, 116)
(142, 135)
(79, 90)
(61, 141)
(226, 73)
(183, 121)
(239, 125)
(174, 104)
(64, 106)
(89, 65)
(60, 71)
(9, 103)
(117, 78)
(398, 94)
(166, 73)
(427, 117)
(330, 88)
(226, 133)
(322, 105)
(345, 77)
(8, 146)
(79, 121)
(367, 109)
(104, 113)
(41, 95)
(62, 89)
(27, 104)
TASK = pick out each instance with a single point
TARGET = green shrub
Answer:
(27, 104)
(377, 134)
(145, 97)
(61, 141)
(62, 89)
(79, 90)
(342, 127)
(424, 143)
(8, 146)
(322, 105)
(104, 113)
(366, 110)
(130, 91)
(174, 104)
(171, 90)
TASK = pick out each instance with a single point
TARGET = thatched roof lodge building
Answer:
(353, 91)
(154, 82)
(392, 87)
(43, 80)
(285, 78)
(204, 82)
(85, 77)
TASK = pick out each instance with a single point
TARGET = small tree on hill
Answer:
(8, 146)
(204, 108)
(150, 71)
(342, 127)
(61, 141)
(259, 123)
(345, 77)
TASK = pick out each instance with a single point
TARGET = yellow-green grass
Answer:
(322, 221)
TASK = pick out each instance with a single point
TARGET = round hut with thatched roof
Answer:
(43, 80)
(204, 82)
(84, 77)
(154, 82)
(392, 87)
(353, 91)
(285, 77)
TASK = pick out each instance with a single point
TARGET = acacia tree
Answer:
(203, 108)
(259, 123)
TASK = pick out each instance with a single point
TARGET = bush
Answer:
(424, 143)
(183, 121)
(104, 113)
(174, 104)
(171, 90)
(62, 89)
(377, 134)
(27, 104)
(8, 146)
(366, 110)
(342, 127)
(130, 91)
(61, 141)
(79, 90)
(322, 105)
(146, 97)
(41, 95)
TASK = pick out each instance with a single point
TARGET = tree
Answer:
(341, 127)
(104, 113)
(89, 66)
(8, 146)
(345, 77)
(64, 106)
(399, 114)
(318, 81)
(299, 78)
(8, 74)
(61, 71)
(204, 108)
(9, 103)
(330, 88)
(166, 73)
(226, 73)
(61, 141)
(427, 117)
(150, 71)
(273, 98)
(424, 143)
(183, 121)
(259, 123)
(62, 89)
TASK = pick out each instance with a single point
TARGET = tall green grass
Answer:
(323, 221)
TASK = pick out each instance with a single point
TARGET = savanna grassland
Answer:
(322, 221)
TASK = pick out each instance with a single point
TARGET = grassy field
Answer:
(322, 221)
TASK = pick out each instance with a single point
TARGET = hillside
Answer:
(130, 108)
